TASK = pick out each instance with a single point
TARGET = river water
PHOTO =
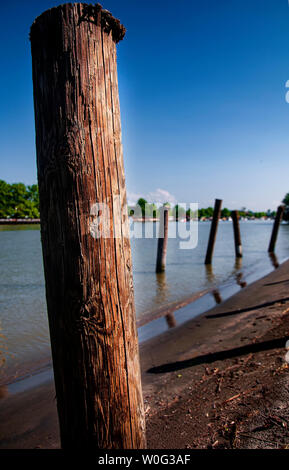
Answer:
(24, 335)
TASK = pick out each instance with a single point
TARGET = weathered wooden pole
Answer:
(237, 234)
(275, 229)
(213, 231)
(163, 240)
(88, 271)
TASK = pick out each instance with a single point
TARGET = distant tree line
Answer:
(18, 201)
(286, 211)
(145, 209)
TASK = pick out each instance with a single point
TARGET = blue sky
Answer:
(202, 94)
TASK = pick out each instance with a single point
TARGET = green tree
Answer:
(18, 200)
(208, 212)
(179, 212)
(168, 205)
(286, 199)
(190, 214)
(33, 194)
(4, 199)
(154, 212)
(142, 204)
(225, 212)
(286, 211)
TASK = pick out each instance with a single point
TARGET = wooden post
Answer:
(217, 296)
(237, 234)
(163, 240)
(171, 321)
(89, 286)
(275, 229)
(274, 260)
(213, 231)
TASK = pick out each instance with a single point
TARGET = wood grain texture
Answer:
(89, 285)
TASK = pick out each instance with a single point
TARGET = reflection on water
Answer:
(19, 228)
(238, 263)
(240, 283)
(162, 294)
(210, 273)
(238, 274)
(162, 288)
(22, 295)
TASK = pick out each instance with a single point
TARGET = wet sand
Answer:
(225, 366)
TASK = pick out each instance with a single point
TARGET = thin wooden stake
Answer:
(213, 231)
(237, 234)
(217, 296)
(163, 240)
(274, 260)
(275, 229)
(171, 321)
(87, 259)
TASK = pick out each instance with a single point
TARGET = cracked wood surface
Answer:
(89, 285)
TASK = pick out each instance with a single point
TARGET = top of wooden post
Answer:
(91, 13)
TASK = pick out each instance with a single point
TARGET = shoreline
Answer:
(140, 219)
(163, 319)
(169, 366)
(223, 379)
(19, 221)
(152, 306)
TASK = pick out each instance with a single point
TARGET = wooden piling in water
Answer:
(88, 271)
(163, 240)
(275, 229)
(213, 231)
(237, 234)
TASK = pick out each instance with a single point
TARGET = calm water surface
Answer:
(24, 336)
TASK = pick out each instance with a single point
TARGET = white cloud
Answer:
(275, 204)
(159, 196)
(132, 198)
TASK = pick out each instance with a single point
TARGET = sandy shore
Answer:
(219, 380)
